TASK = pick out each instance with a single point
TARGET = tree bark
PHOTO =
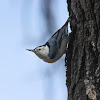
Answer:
(83, 56)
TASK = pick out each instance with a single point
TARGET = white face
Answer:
(42, 51)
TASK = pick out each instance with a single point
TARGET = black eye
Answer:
(39, 49)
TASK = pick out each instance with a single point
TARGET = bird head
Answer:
(41, 51)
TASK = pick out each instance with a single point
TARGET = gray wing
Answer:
(53, 48)
(54, 43)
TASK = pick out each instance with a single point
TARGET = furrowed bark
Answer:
(83, 56)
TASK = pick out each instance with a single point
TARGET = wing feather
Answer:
(54, 43)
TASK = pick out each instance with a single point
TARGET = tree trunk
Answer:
(83, 56)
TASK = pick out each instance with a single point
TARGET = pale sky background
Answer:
(23, 76)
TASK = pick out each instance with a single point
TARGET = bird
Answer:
(55, 47)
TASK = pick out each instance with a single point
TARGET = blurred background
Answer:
(26, 24)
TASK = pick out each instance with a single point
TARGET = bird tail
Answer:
(63, 30)
(65, 26)
(68, 20)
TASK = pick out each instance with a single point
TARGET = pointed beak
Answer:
(32, 50)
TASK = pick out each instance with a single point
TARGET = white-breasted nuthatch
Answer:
(55, 47)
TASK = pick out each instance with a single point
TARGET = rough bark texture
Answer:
(83, 57)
